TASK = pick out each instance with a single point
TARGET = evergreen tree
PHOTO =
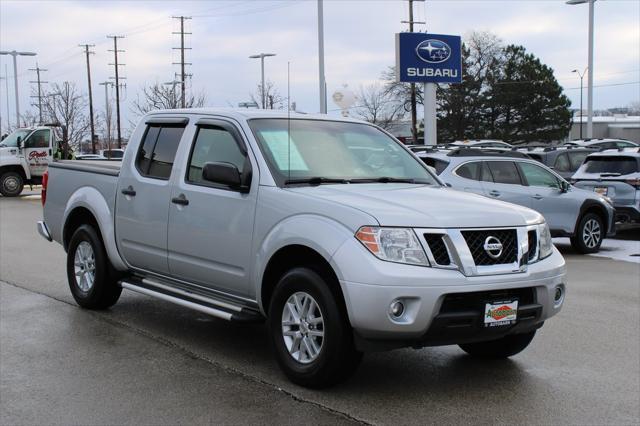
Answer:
(524, 102)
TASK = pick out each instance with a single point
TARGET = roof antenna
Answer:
(289, 116)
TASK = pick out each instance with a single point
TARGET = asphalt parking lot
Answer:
(146, 361)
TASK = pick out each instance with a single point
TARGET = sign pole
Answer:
(430, 122)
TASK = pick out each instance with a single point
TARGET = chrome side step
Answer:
(216, 308)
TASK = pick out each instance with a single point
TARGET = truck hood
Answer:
(422, 206)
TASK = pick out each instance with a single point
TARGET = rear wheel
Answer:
(589, 234)
(501, 348)
(11, 184)
(92, 279)
(310, 335)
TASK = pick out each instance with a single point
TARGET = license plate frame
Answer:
(500, 313)
(601, 190)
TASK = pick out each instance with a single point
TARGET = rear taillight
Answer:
(634, 182)
(45, 181)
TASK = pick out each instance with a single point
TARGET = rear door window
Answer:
(576, 159)
(470, 170)
(562, 163)
(504, 172)
(158, 150)
(616, 165)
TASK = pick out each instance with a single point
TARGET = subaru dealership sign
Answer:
(428, 58)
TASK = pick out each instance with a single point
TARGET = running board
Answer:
(216, 308)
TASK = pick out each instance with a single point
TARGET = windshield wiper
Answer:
(316, 180)
(387, 179)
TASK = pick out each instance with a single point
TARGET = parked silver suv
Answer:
(584, 216)
(615, 174)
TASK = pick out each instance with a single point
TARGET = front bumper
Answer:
(370, 287)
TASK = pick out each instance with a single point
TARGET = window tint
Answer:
(213, 145)
(617, 165)
(38, 139)
(576, 159)
(158, 151)
(562, 163)
(537, 176)
(485, 173)
(437, 164)
(469, 170)
(504, 172)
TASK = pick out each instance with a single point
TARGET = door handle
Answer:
(494, 193)
(129, 191)
(180, 200)
(538, 197)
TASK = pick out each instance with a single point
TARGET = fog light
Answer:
(396, 309)
(558, 296)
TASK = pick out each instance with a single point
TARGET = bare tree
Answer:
(159, 96)
(379, 106)
(272, 96)
(65, 105)
(30, 119)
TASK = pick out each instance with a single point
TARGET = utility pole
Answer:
(6, 87)
(107, 112)
(93, 130)
(15, 77)
(39, 82)
(321, 77)
(117, 83)
(414, 116)
(182, 63)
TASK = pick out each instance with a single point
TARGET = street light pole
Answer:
(590, 65)
(262, 56)
(323, 81)
(15, 77)
(581, 77)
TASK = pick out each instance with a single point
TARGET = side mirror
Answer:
(564, 186)
(224, 174)
(19, 141)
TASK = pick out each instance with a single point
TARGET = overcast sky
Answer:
(359, 42)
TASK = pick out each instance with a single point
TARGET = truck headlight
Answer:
(393, 244)
(545, 243)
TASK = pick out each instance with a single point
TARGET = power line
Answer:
(39, 82)
(182, 63)
(93, 130)
(117, 79)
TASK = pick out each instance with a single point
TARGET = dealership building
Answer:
(619, 126)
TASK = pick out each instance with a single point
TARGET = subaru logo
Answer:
(493, 247)
(433, 51)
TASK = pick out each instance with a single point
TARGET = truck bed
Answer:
(109, 167)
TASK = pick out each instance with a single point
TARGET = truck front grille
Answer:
(533, 244)
(476, 241)
(438, 249)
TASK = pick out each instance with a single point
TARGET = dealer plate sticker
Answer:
(501, 313)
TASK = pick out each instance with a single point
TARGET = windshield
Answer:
(334, 152)
(114, 153)
(617, 165)
(12, 139)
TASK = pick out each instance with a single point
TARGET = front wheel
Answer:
(11, 184)
(501, 348)
(92, 279)
(589, 234)
(310, 335)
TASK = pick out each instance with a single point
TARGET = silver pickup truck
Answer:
(329, 229)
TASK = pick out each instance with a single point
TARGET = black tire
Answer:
(11, 184)
(501, 348)
(104, 290)
(581, 241)
(337, 357)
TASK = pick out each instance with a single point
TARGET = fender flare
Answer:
(588, 204)
(91, 199)
(319, 233)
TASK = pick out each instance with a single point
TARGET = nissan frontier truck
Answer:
(328, 229)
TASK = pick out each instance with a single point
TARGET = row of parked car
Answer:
(582, 188)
